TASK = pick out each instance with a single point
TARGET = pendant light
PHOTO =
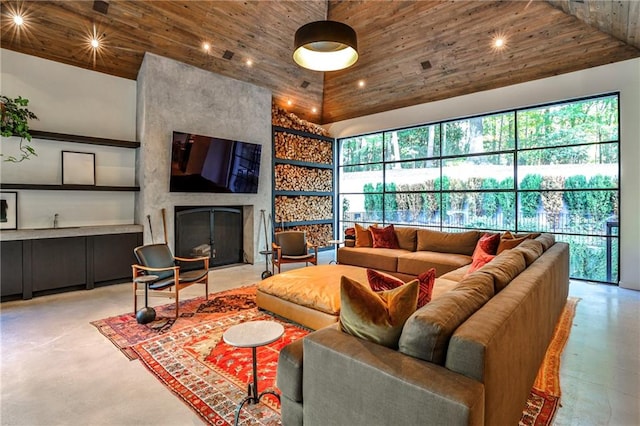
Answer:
(325, 46)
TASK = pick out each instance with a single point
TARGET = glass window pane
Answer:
(601, 157)
(586, 121)
(409, 144)
(417, 208)
(355, 180)
(352, 210)
(398, 176)
(469, 173)
(479, 210)
(361, 149)
(592, 258)
(479, 134)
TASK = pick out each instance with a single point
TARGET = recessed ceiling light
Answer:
(499, 42)
(249, 62)
(18, 19)
(361, 83)
(314, 110)
(206, 46)
(289, 102)
(95, 43)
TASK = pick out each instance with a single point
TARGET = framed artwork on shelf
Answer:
(78, 168)
(8, 210)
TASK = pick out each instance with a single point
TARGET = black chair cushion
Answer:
(293, 243)
(185, 277)
(156, 256)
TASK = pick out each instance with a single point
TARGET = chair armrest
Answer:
(149, 269)
(278, 252)
(204, 259)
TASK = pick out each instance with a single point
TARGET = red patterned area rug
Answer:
(211, 376)
(189, 356)
(544, 399)
(124, 331)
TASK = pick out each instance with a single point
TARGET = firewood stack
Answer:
(282, 118)
(296, 178)
(295, 147)
(303, 208)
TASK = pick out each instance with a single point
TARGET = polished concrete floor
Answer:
(57, 369)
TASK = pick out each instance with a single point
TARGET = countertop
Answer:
(70, 231)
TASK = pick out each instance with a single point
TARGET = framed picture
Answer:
(78, 168)
(8, 210)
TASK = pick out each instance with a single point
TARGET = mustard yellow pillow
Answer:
(377, 317)
(363, 236)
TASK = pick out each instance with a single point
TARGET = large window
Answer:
(551, 168)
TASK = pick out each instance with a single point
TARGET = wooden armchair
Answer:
(293, 247)
(157, 260)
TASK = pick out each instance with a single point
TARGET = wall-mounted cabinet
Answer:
(303, 183)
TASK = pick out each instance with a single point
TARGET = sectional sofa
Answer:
(469, 357)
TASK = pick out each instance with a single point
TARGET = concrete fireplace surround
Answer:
(175, 96)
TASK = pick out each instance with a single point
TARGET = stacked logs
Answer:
(282, 118)
(297, 178)
(294, 147)
(303, 208)
(318, 234)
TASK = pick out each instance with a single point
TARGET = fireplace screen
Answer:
(215, 232)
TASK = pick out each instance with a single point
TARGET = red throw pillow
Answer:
(382, 282)
(384, 237)
(480, 258)
(427, 280)
(489, 243)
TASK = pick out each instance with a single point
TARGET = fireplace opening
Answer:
(216, 232)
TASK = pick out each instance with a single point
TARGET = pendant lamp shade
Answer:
(325, 46)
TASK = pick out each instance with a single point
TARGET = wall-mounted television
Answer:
(209, 164)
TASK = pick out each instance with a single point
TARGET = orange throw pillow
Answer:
(384, 237)
(363, 236)
(509, 241)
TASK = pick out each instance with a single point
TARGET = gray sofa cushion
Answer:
(382, 259)
(417, 262)
(407, 237)
(547, 240)
(427, 332)
(531, 250)
(448, 242)
(505, 267)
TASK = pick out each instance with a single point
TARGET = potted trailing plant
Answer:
(14, 121)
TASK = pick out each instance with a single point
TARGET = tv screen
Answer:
(208, 164)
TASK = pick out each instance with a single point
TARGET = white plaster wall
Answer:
(623, 77)
(75, 101)
(175, 96)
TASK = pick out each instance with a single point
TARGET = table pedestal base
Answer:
(252, 390)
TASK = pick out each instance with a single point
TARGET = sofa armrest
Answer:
(289, 374)
(347, 380)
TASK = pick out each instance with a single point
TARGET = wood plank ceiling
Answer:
(411, 52)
